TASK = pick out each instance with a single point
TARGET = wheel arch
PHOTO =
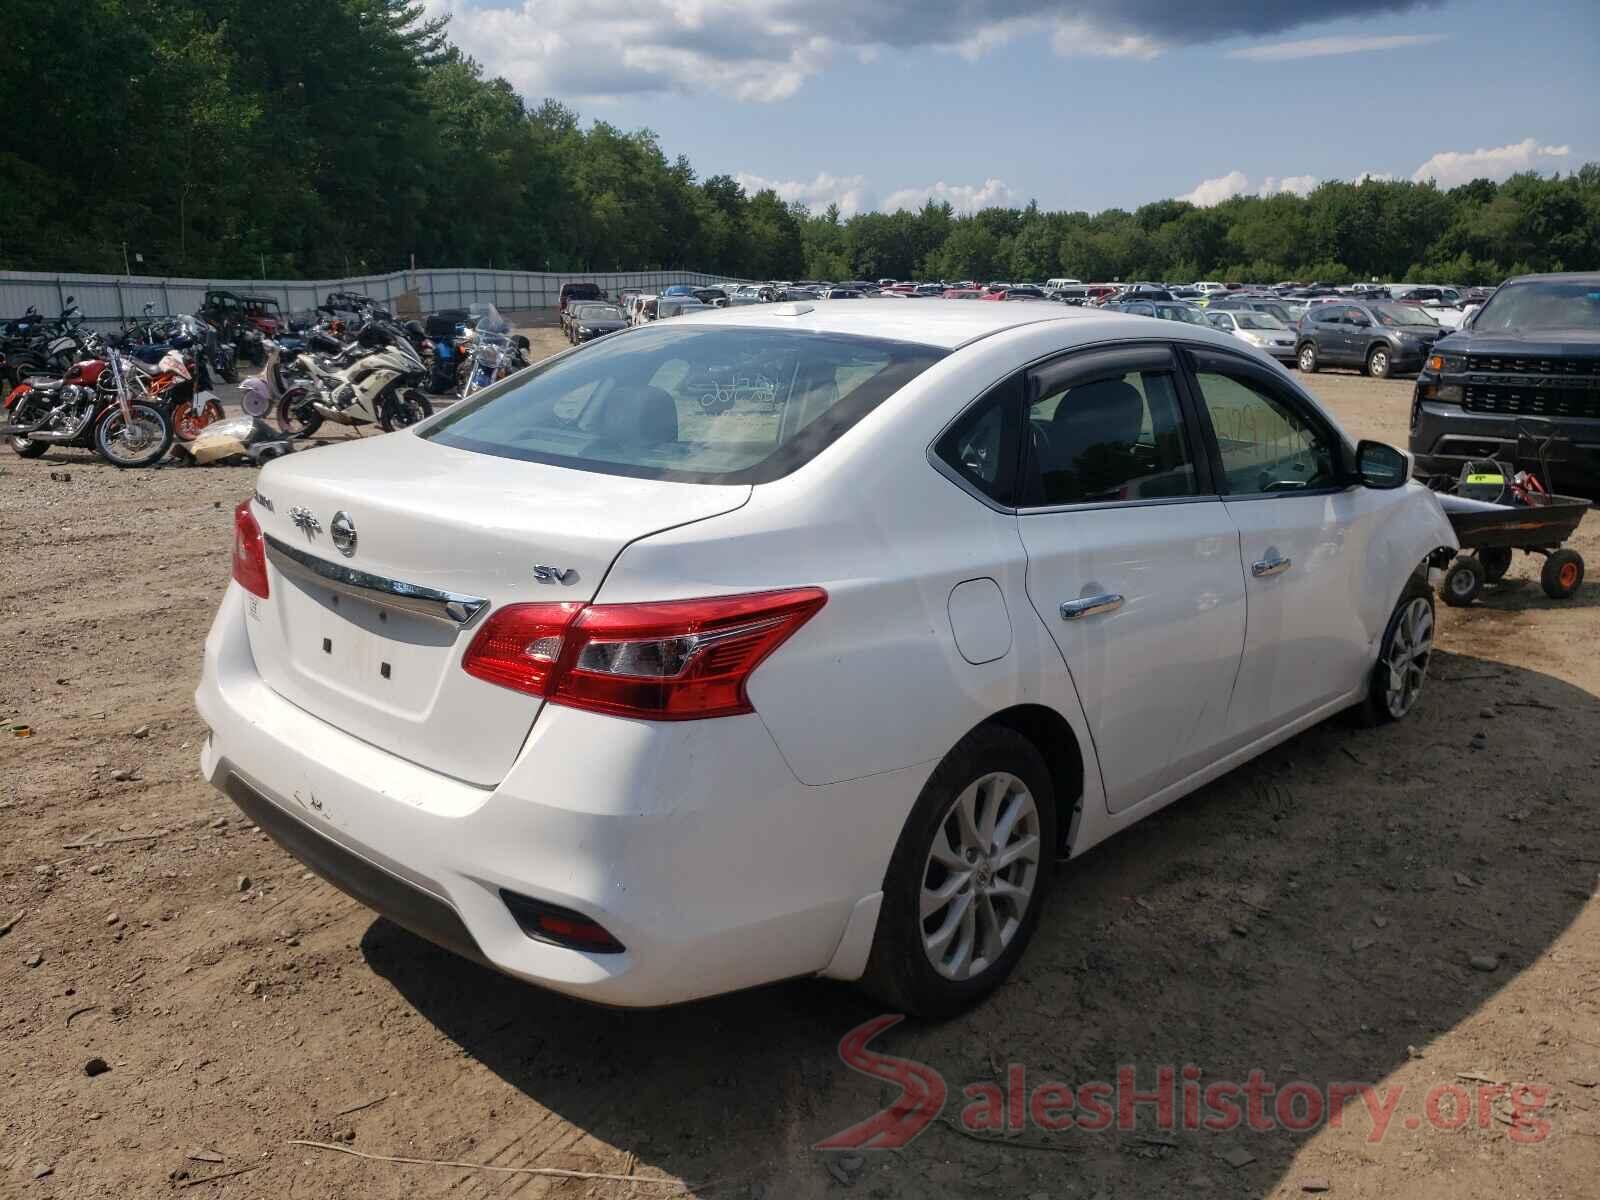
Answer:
(1052, 736)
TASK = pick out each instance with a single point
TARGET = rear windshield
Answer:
(697, 403)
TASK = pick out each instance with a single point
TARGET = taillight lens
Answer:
(676, 660)
(249, 552)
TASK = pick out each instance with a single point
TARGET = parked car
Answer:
(1145, 291)
(578, 291)
(841, 293)
(677, 306)
(682, 727)
(1266, 304)
(1210, 287)
(595, 319)
(1527, 357)
(963, 294)
(715, 297)
(1173, 311)
(641, 310)
(1379, 338)
(1260, 329)
(571, 313)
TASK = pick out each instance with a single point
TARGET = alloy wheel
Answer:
(980, 875)
(1409, 652)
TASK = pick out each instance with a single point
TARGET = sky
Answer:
(1078, 104)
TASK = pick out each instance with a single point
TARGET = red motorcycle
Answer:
(97, 404)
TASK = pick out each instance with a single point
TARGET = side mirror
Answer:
(1380, 466)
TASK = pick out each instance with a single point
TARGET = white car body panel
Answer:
(729, 852)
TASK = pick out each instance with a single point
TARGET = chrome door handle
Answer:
(1090, 606)
(1270, 566)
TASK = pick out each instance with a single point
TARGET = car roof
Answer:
(1563, 277)
(943, 326)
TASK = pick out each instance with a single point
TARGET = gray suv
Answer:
(1379, 338)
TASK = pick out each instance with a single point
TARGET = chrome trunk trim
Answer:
(449, 608)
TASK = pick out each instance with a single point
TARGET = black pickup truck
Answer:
(1531, 351)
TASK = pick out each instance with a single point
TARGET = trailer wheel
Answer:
(1562, 574)
(1496, 562)
(1463, 581)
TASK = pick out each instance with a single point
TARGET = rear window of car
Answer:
(695, 403)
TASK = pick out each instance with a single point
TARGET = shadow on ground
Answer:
(1310, 916)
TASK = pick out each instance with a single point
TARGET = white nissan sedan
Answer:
(793, 640)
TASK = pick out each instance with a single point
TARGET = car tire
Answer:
(1463, 582)
(1307, 358)
(1380, 362)
(986, 896)
(1562, 575)
(1403, 657)
(1496, 562)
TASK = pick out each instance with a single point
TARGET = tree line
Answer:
(315, 138)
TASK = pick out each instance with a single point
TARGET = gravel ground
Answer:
(180, 999)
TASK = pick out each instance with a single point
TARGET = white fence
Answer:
(115, 298)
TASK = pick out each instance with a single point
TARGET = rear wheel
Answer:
(967, 879)
(23, 413)
(295, 414)
(1379, 364)
(1562, 575)
(1308, 358)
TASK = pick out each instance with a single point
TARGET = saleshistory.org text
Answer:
(1171, 1099)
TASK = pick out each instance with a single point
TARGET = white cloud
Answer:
(963, 197)
(1451, 168)
(1211, 192)
(849, 192)
(1323, 47)
(1298, 185)
(768, 50)
(1215, 191)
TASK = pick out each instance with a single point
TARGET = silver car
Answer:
(1262, 330)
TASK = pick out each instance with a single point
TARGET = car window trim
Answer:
(1193, 358)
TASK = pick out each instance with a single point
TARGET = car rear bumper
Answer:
(692, 843)
(1444, 436)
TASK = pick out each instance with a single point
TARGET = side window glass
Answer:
(981, 448)
(1329, 314)
(1266, 445)
(1110, 439)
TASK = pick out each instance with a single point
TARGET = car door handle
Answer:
(1270, 566)
(1091, 606)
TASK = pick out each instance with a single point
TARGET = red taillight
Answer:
(249, 552)
(676, 660)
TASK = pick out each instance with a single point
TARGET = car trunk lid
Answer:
(371, 641)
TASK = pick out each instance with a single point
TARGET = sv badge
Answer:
(548, 574)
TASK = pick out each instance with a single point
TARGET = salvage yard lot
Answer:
(1313, 917)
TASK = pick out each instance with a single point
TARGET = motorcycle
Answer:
(274, 384)
(184, 386)
(376, 380)
(96, 404)
(151, 340)
(492, 353)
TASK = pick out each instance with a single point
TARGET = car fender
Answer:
(1414, 527)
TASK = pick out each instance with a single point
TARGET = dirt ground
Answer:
(1313, 917)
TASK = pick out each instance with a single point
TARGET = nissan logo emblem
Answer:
(343, 532)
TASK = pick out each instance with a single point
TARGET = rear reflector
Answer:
(249, 553)
(676, 660)
(559, 926)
